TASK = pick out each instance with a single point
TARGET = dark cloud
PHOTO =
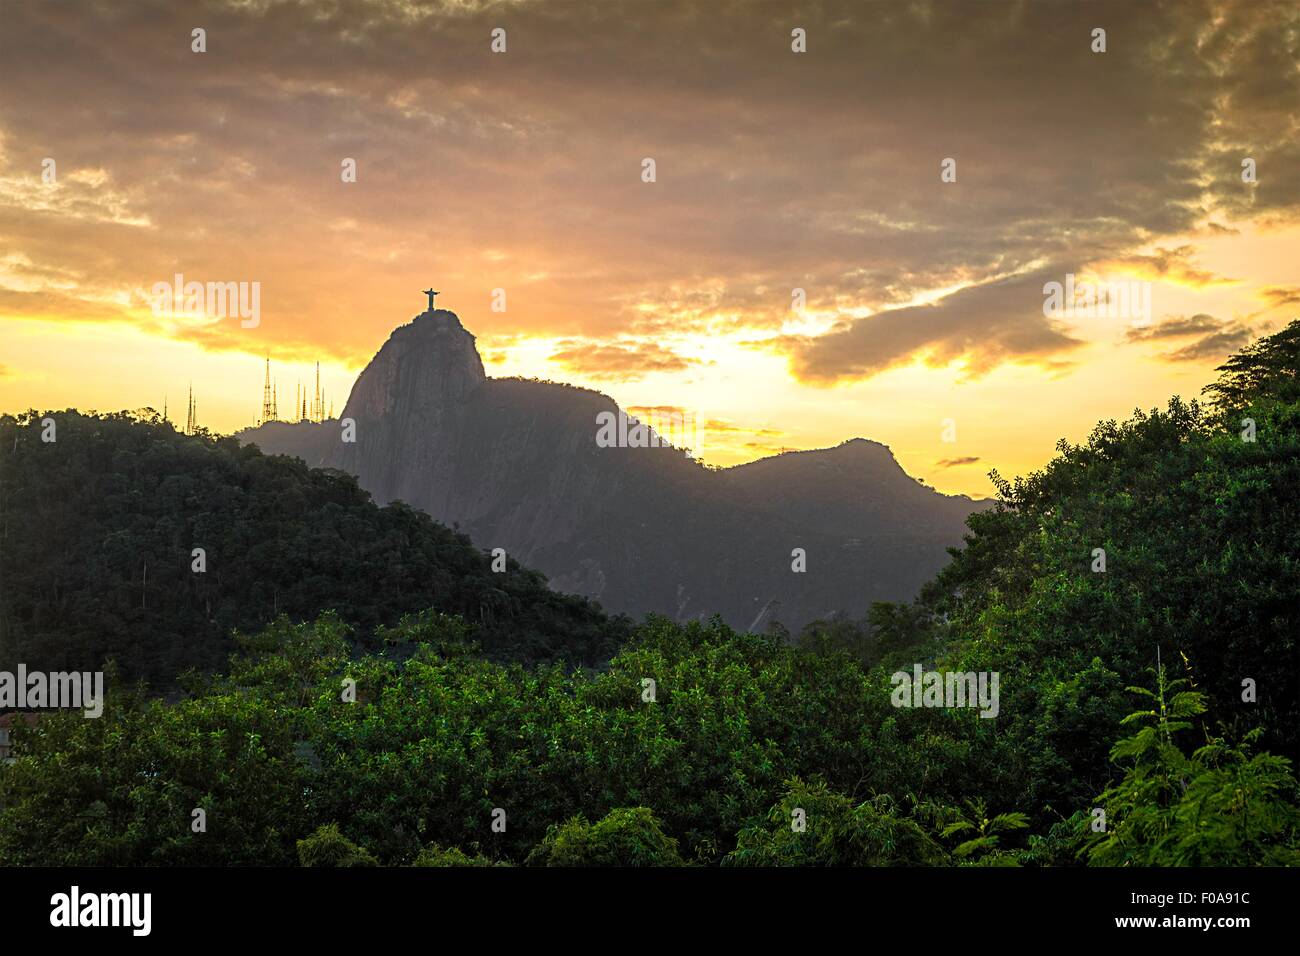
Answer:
(982, 325)
(955, 462)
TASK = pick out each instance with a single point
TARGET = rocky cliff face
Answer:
(409, 406)
(516, 465)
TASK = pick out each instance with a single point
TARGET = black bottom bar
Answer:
(339, 906)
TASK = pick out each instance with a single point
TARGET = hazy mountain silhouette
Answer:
(515, 464)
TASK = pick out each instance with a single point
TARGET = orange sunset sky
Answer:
(775, 170)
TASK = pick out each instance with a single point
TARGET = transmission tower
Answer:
(268, 400)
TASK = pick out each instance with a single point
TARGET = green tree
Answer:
(434, 855)
(626, 836)
(982, 834)
(1269, 367)
(328, 847)
(1222, 805)
(813, 826)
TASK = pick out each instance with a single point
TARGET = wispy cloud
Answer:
(1279, 295)
(1174, 327)
(716, 426)
(1215, 338)
(1230, 338)
(1172, 265)
(619, 362)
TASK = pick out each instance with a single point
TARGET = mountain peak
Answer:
(866, 445)
(516, 465)
(439, 318)
(417, 385)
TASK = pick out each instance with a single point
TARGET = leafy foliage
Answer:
(835, 832)
(99, 527)
(1220, 806)
(328, 847)
(626, 836)
(980, 833)
(435, 855)
(1201, 534)
(1269, 367)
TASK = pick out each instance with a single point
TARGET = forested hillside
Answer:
(97, 535)
(1147, 712)
(1197, 513)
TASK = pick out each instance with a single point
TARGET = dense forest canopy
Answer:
(1138, 598)
(97, 535)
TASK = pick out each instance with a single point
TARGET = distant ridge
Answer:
(515, 464)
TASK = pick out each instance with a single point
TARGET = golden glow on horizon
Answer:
(1009, 418)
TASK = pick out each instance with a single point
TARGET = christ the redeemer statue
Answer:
(431, 294)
